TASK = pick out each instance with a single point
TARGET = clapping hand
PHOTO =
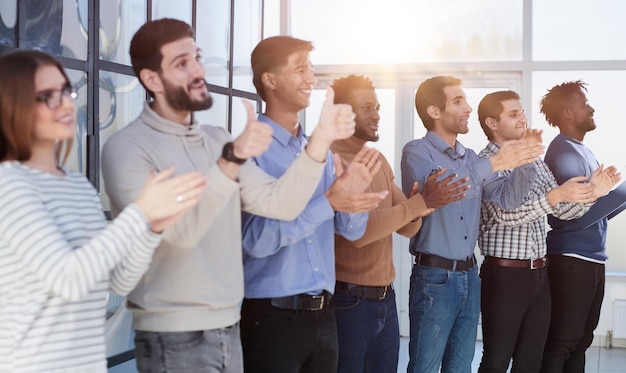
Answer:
(347, 193)
(165, 198)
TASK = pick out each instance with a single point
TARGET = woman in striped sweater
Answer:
(58, 255)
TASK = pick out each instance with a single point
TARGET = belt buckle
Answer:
(385, 289)
(532, 263)
(316, 302)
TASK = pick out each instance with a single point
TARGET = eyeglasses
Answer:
(54, 98)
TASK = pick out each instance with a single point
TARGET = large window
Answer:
(579, 30)
(400, 31)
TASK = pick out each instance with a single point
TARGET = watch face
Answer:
(228, 153)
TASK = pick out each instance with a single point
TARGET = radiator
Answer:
(619, 318)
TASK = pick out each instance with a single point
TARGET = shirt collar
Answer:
(439, 144)
(492, 147)
(280, 134)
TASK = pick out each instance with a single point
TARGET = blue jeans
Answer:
(206, 351)
(443, 311)
(368, 333)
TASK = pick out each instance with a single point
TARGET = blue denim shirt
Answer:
(283, 258)
(452, 231)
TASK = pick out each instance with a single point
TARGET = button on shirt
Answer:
(452, 231)
(283, 258)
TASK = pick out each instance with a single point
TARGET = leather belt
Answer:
(304, 302)
(517, 263)
(367, 292)
(429, 260)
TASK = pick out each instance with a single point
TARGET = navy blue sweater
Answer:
(585, 236)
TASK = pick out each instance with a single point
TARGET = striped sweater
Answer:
(58, 260)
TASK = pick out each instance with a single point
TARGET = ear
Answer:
(434, 112)
(269, 80)
(491, 123)
(567, 113)
(151, 80)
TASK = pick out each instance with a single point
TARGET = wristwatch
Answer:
(228, 154)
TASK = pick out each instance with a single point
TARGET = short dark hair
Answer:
(272, 53)
(491, 107)
(146, 44)
(558, 98)
(430, 92)
(344, 87)
(17, 103)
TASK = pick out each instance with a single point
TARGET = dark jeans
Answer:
(206, 351)
(369, 337)
(577, 288)
(276, 340)
(515, 307)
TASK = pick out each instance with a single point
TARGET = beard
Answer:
(362, 134)
(588, 125)
(179, 99)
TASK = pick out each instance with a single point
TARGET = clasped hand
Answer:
(347, 193)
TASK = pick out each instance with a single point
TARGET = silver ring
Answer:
(180, 198)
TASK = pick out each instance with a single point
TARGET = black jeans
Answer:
(577, 288)
(276, 340)
(515, 308)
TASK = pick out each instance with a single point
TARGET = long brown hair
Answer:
(17, 104)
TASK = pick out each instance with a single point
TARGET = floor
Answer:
(599, 359)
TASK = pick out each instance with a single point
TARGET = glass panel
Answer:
(409, 31)
(271, 20)
(213, 37)
(312, 113)
(121, 101)
(58, 27)
(217, 115)
(8, 19)
(247, 35)
(77, 160)
(118, 23)
(606, 141)
(240, 116)
(180, 9)
(562, 37)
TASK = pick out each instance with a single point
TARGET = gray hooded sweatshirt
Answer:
(195, 280)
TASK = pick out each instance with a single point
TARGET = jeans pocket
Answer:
(343, 301)
(435, 277)
(143, 354)
(186, 351)
(181, 341)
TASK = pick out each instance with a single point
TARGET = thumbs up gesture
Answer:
(336, 123)
(255, 138)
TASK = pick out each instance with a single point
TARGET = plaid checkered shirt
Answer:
(521, 233)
